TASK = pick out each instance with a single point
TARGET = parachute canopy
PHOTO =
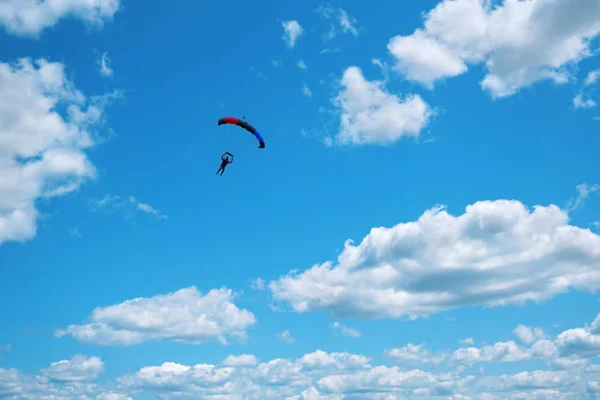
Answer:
(246, 126)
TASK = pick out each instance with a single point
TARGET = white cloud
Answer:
(285, 336)
(321, 360)
(343, 21)
(527, 335)
(592, 77)
(112, 396)
(79, 368)
(583, 192)
(376, 379)
(301, 64)
(530, 381)
(347, 23)
(291, 32)
(62, 380)
(415, 354)
(258, 284)
(371, 115)
(499, 352)
(127, 204)
(517, 41)
(328, 50)
(16, 385)
(306, 91)
(336, 375)
(42, 152)
(345, 330)
(243, 360)
(30, 17)
(580, 102)
(105, 68)
(275, 379)
(182, 316)
(496, 253)
(277, 63)
(150, 210)
(467, 342)
(5, 347)
(74, 231)
(199, 380)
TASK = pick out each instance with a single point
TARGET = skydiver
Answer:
(225, 159)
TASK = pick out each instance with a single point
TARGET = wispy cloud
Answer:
(580, 101)
(340, 21)
(127, 204)
(306, 91)
(258, 284)
(105, 65)
(74, 231)
(291, 32)
(583, 192)
(592, 77)
(345, 330)
(330, 50)
(285, 336)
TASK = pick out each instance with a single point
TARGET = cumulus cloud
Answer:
(291, 32)
(30, 17)
(528, 335)
(274, 379)
(182, 316)
(419, 375)
(345, 330)
(415, 354)
(519, 42)
(243, 360)
(112, 396)
(127, 204)
(498, 352)
(105, 68)
(572, 349)
(496, 253)
(42, 151)
(371, 115)
(62, 380)
(343, 375)
(79, 368)
(301, 64)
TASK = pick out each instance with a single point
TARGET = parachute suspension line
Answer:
(229, 142)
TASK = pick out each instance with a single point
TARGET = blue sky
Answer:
(423, 222)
